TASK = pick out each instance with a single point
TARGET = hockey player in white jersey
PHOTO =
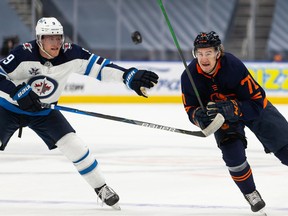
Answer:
(35, 73)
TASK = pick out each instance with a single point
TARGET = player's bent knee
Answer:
(231, 137)
(282, 155)
(72, 147)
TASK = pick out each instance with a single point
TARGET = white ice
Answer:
(155, 172)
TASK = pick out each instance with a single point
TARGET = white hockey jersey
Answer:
(49, 77)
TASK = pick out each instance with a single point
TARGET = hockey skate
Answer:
(108, 196)
(256, 202)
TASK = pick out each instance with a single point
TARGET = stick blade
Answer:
(214, 125)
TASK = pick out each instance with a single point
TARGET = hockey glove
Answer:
(201, 119)
(138, 80)
(229, 109)
(27, 99)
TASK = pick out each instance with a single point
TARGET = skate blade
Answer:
(262, 212)
(116, 206)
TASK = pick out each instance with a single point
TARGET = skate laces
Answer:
(105, 193)
(253, 198)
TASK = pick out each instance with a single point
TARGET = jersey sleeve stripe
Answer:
(100, 60)
(104, 63)
(92, 60)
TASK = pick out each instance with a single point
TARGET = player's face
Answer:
(207, 58)
(52, 45)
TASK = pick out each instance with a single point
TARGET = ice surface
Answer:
(155, 172)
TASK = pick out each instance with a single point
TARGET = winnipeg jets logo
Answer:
(27, 46)
(43, 86)
(34, 71)
(66, 46)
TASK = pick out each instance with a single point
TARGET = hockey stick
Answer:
(204, 133)
(219, 119)
(180, 52)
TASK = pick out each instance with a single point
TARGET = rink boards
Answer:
(273, 77)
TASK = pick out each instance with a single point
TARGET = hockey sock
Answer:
(235, 158)
(243, 177)
(74, 149)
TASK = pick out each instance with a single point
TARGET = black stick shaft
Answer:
(125, 120)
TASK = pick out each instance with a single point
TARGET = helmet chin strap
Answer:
(43, 50)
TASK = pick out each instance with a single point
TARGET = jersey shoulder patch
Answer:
(27, 46)
(66, 46)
